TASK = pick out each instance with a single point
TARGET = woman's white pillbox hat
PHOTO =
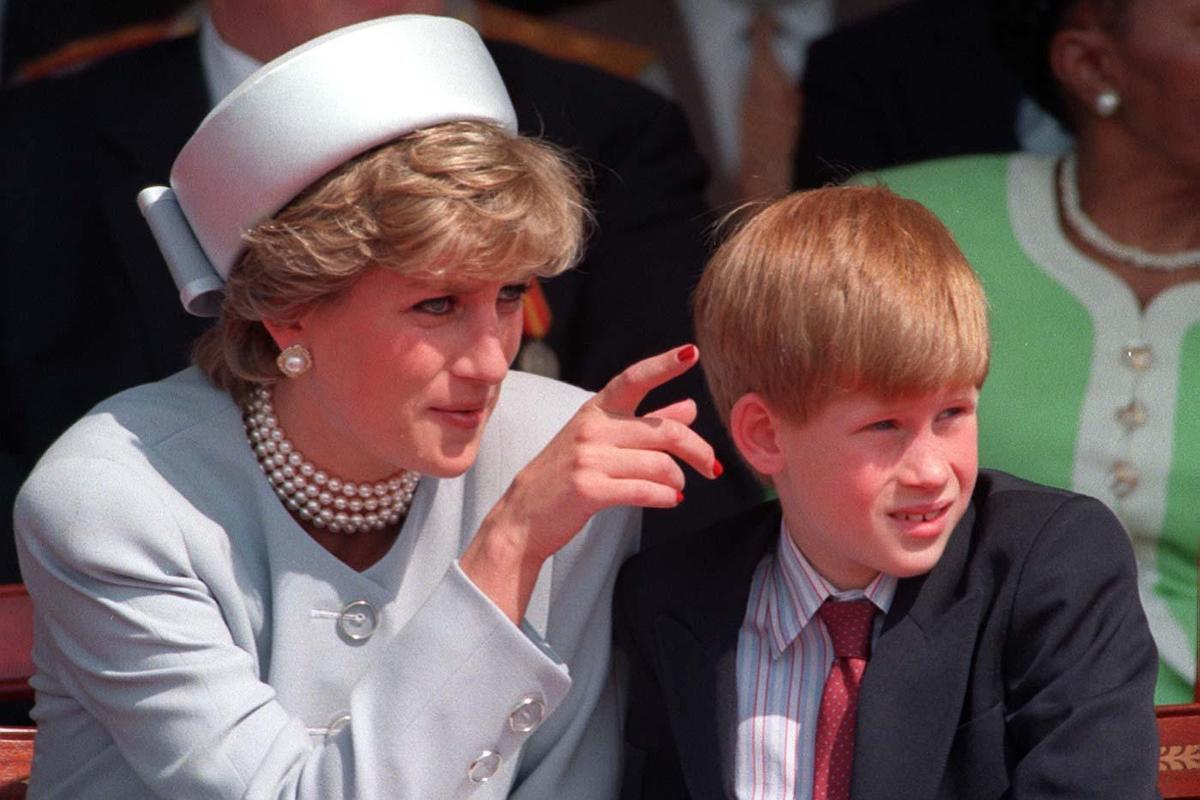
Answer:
(299, 117)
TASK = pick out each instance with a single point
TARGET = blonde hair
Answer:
(462, 198)
(839, 289)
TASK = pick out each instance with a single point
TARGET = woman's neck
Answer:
(356, 522)
(1137, 197)
(306, 421)
(1137, 200)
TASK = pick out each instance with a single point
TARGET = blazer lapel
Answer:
(912, 693)
(696, 642)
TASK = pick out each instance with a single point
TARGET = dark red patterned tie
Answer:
(849, 626)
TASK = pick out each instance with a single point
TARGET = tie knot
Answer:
(849, 626)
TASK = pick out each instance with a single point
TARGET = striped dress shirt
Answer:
(783, 657)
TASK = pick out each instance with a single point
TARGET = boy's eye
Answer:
(883, 425)
(513, 292)
(436, 306)
(953, 411)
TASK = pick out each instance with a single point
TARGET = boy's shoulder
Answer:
(998, 491)
(1017, 532)
(1011, 511)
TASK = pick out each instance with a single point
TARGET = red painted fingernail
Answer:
(678, 497)
(718, 470)
(686, 353)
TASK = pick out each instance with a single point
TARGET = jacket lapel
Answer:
(696, 642)
(912, 693)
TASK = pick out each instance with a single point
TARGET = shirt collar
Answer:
(225, 67)
(796, 590)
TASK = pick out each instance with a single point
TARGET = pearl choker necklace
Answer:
(1082, 224)
(313, 494)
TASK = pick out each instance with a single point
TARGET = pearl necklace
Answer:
(1091, 233)
(313, 494)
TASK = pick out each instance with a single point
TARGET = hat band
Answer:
(201, 288)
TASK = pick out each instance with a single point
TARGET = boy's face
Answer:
(870, 485)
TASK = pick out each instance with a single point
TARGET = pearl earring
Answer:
(294, 360)
(1107, 103)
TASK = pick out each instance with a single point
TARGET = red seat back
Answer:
(16, 634)
(1179, 752)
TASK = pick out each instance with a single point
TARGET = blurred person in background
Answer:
(1091, 264)
(735, 67)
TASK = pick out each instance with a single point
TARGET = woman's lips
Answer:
(465, 418)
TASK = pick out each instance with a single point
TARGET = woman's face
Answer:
(406, 371)
(1158, 49)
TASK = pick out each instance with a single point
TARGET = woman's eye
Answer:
(436, 305)
(513, 292)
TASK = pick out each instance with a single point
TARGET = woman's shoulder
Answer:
(144, 417)
(128, 441)
(125, 468)
(538, 403)
(529, 412)
(939, 171)
(175, 401)
(527, 383)
(972, 195)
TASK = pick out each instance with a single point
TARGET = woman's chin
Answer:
(448, 463)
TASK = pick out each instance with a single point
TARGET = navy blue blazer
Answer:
(1021, 666)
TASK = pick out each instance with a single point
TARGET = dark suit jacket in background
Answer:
(1020, 666)
(89, 308)
(924, 80)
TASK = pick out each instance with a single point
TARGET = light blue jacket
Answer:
(191, 641)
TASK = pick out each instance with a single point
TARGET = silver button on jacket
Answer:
(358, 620)
(484, 767)
(528, 714)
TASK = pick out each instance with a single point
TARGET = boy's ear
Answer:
(753, 430)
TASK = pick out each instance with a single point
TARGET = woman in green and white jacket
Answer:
(1091, 263)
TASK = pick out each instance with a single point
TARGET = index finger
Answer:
(624, 392)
